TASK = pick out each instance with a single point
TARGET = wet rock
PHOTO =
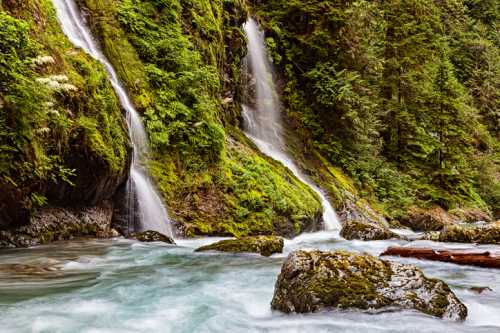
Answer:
(313, 280)
(470, 215)
(480, 290)
(355, 229)
(265, 245)
(433, 219)
(151, 236)
(484, 234)
(53, 224)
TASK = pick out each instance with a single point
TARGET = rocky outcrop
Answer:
(483, 234)
(433, 219)
(265, 245)
(151, 236)
(313, 280)
(53, 224)
(470, 215)
(355, 229)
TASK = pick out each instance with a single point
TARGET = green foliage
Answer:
(403, 94)
(52, 99)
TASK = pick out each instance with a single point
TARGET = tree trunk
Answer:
(460, 257)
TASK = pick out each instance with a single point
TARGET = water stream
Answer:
(151, 212)
(262, 123)
(123, 286)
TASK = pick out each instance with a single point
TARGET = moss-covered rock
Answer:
(151, 236)
(265, 245)
(356, 229)
(484, 234)
(433, 219)
(313, 280)
(470, 215)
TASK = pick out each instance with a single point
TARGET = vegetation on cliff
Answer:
(181, 62)
(402, 94)
(59, 117)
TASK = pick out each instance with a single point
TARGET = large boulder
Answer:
(433, 219)
(151, 236)
(483, 234)
(313, 280)
(355, 229)
(265, 245)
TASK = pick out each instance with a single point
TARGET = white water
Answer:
(123, 286)
(263, 124)
(153, 214)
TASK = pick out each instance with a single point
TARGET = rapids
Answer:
(125, 286)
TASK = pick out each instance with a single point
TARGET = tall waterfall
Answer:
(262, 123)
(151, 211)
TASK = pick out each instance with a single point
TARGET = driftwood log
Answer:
(460, 257)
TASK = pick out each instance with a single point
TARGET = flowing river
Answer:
(126, 286)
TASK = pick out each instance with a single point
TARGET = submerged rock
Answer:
(313, 280)
(433, 219)
(265, 245)
(151, 236)
(355, 229)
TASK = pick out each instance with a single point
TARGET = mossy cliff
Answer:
(63, 140)
(181, 62)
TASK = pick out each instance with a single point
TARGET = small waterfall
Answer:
(262, 123)
(150, 209)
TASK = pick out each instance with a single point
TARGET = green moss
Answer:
(265, 245)
(41, 127)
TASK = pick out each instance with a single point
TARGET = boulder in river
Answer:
(265, 245)
(433, 219)
(151, 236)
(355, 229)
(484, 234)
(313, 281)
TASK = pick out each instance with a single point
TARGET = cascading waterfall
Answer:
(151, 211)
(262, 124)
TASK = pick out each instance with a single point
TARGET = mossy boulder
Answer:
(312, 281)
(433, 219)
(265, 245)
(356, 229)
(470, 215)
(151, 236)
(485, 234)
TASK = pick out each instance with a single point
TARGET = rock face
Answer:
(151, 236)
(313, 280)
(433, 219)
(355, 229)
(485, 234)
(52, 224)
(265, 245)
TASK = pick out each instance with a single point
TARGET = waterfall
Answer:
(150, 209)
(262, 123)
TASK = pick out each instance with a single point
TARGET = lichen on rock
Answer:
(265, 245)
(356, 229)
(151, 236)
(313, 281)
(482, 234)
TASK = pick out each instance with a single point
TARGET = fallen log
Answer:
(460, 257)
